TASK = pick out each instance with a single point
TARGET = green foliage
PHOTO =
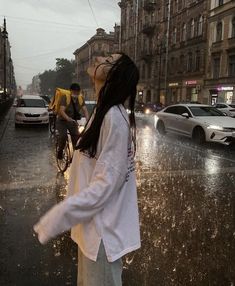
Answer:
(61, 77)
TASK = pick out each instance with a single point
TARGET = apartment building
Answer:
(101, 44)
(168, 40)
(220, 69)
(7, 77)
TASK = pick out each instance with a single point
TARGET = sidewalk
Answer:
(4, 118)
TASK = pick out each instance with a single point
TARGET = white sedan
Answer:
(31, 109)
(229, 109)
(197, 121)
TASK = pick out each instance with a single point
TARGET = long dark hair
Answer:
(119, 88)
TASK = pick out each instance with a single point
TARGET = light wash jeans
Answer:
(99, 272)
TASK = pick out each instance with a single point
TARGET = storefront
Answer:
(193, 88)
(226, 94)
(175, 92)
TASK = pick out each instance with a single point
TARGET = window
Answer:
(190, 62)
(221, 2)
(182, 64)
(231, 65)
(200, 26)
(172, 109)
(197, 61)
(184, 33)
(174, 36)
(233, 27)
(143, 71)
(172, 66)
(219, 27)
(192, 28)
(205, 111)
(176, 6)
(216, 67)
(182, 109)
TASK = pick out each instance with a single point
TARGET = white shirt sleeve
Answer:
(108, 177)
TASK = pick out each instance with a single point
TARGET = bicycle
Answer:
(52, 121)
(68, 150)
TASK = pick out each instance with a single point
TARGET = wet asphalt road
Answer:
(186, 200)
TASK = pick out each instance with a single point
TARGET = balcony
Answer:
(149, 5)
(217, 46)
(148, 29)
(231, 42)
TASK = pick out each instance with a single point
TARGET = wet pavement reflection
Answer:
(186, 200)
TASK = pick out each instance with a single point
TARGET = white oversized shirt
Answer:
(102, 196)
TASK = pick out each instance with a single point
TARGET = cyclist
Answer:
(67, 116)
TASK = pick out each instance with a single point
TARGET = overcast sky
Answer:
(42, 30)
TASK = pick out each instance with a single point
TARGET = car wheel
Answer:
(161, 127)
(199, 135)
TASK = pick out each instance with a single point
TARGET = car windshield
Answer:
(31, 103)
(205, 111)
(232, 105)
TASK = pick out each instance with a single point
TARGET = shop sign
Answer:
(225, 88)
(173, 84)
(191, 82)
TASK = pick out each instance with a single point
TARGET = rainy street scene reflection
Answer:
(186, 203)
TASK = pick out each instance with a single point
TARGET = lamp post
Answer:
(167, 47)
(159, 53)
(5, 36)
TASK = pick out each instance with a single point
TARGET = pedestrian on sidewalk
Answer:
(101, 206)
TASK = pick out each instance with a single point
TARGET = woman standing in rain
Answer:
(101, 207)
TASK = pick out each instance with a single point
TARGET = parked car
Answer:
(148, 108)
(152, 107)
(31, 109)
(197, 121)
(229, 109)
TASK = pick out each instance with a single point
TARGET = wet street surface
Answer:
(186, 202)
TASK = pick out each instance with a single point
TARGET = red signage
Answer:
(191, 82)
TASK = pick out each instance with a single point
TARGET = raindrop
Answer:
(57, 254)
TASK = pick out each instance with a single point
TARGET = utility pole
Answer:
(167, 47)
(159, 71)
(5, 36)
(136, 27)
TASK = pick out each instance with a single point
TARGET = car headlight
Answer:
(19, 113)
(219, 128)
(44, 114)
(147, 111)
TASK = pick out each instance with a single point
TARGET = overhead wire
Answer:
(49, 53)
(46, 22)
(92, 11)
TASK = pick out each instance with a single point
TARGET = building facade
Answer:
(220, 70)
(101, 44)
(7, 77)
(168, 41)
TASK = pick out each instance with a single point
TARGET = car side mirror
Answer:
(185, 115)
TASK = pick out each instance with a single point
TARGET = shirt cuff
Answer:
(42, 235)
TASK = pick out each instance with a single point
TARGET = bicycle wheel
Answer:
(65, 161)
(52, 124)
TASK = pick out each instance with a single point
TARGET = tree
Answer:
(65, 71)
(47, 82)
(62, 76)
